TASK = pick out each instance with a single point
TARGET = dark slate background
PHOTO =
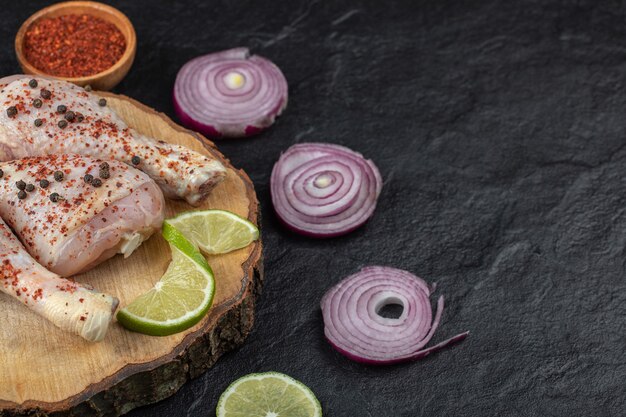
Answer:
(498, 127)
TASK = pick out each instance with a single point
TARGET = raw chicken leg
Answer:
(70, 225)
(95, 130)
(68, 305)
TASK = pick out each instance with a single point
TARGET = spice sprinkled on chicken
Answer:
(69, 224)
(31, 125)
(67, 304)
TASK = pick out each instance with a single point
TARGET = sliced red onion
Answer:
(324, 190)
(229, 93)
(353, 326)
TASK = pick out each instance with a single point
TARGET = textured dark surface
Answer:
(499, 130)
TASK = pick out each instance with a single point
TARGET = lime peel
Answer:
(238, 398)
(215, 231)
(173, 292)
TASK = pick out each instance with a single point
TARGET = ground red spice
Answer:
(73, 45)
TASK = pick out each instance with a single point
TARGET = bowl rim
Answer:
(131, 40)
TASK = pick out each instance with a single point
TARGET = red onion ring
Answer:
(353, 326)
(324, 190)
(229, 93)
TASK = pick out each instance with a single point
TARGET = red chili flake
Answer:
(73, 45)
(164, 152)
(9, 273)
(69, 287)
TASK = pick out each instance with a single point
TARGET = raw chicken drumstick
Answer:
(72, 212)
(45, 116)
(68, 305)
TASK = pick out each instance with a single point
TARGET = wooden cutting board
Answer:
(44, 370)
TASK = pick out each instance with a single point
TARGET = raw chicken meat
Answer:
(70, 225)
(65, 303)
(94, 129)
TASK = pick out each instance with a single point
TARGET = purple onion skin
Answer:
(417, 356)
(377, 180)
(308, 233)
(210, 131)
(207, 130)
(234, 130)
(350, 329)
(253, 130)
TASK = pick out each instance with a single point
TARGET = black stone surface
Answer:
(499, 129)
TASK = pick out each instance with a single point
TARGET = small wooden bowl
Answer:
(104, 80)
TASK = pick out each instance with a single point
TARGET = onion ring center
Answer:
(234, 80)
(391, 309)
(379, 299)
(324, 179)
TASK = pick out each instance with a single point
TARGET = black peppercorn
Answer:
(135, 160)
(12, 111)
(88, 178)
(96, 182)
(58, 176)
(37, 103)
(104, 170)
(79, 117)
(20, 185)
(61, 109)
(1, 173)
(102, 102)
(88, 88)
(38, 122)
(33, 83)
(69, 116)
(54, 197)
(63, 124)
(21, 194)
(30, 187)
(44, 183)
(46, 94)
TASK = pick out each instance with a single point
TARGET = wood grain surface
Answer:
(45, 370)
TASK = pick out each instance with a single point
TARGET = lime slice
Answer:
(180, 299)
(215, 231)
(269, 394)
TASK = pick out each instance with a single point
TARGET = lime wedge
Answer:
(215, 231)
(269, 394)
(180, 299)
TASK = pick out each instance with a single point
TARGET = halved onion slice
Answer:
(353, 326)
(229, 93)
(324, 190)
